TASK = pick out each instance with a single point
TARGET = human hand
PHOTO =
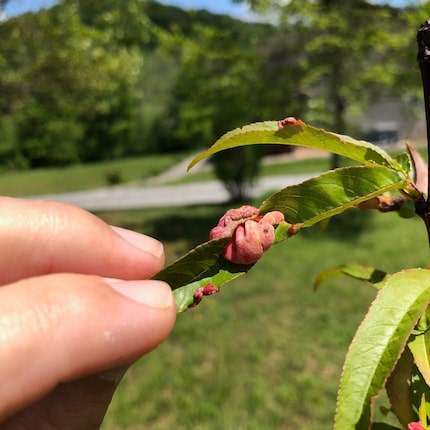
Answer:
(71, 310)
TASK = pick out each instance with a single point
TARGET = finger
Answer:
(58, 328)
(38, 238)
(80, 404)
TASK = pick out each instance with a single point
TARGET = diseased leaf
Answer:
(363, 273)
(301, 134)
(205, 265)
(378, 343)
(332, 193)
(303, 205)
(184, 296)
(203, 261)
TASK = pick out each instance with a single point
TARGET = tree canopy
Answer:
(104, 79)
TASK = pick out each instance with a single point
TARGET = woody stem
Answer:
(423, 57)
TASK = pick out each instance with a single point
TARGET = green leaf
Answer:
(363, 273)
(378, 343)
(420, 394)
(398, 388)
(301, 134)
(332, 193)
(404, 160)
(423, 410)
(383, 426)
(420, 348)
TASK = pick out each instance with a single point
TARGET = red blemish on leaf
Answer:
(251, 235)
(289, 121)
(294, 229)
(210, 289)
(207, 290)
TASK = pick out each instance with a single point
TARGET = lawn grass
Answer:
(89, 176)
(83, 177)
(267, 351)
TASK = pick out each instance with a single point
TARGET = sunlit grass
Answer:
(85, 176)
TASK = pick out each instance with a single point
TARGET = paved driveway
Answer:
(131, 197)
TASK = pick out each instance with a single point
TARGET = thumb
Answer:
(57, 328)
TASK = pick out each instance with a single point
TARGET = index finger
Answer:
(40, 237)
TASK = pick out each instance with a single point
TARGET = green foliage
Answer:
(50, 180)
(378, 343)
(217, 88)
(61, 110)
(348, 46)
(126, 22)
(297, 133)
(119, 79)
(135, 77)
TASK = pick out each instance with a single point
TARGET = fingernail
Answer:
(141, 241)
(156, 294)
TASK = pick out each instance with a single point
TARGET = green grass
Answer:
(88, 176)
(266, 352)
(83, 177)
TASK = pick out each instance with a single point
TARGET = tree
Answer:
(347, 46)
(126, 21)
(67, 91)
(238, 169)
(218, 88)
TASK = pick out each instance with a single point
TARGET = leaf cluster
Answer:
(396, 318)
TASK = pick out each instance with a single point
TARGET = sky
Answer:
(15, 7)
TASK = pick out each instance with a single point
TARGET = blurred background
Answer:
(103, 102)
